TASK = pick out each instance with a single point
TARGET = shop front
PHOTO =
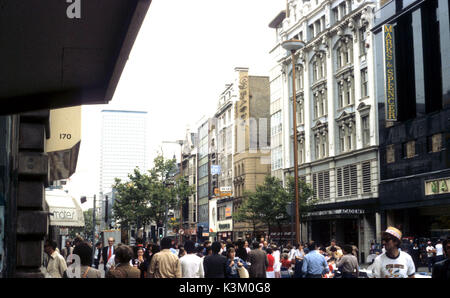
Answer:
(352, 223)
(65, 214)
(224, 219)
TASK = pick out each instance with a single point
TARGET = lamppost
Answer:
(293, 45)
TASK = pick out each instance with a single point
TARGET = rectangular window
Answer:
(362, 41)
(409, 149)
(365, 126)
(341, 139)
(434, 143)
(347, 181)
(364, 82)
(366, 177)
(321, 185)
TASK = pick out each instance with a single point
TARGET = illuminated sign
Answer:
(436, 187)
(389, 73)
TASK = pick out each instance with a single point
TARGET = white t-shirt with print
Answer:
(400, 267)
(439, 250)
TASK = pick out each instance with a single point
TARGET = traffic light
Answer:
(160, 232)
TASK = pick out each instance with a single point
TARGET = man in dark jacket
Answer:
(258, 262)
(215, 266)
(441, 270)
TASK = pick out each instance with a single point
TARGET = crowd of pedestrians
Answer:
(227, 259)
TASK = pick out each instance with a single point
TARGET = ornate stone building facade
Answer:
(336, 116)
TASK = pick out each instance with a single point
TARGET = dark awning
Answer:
(51, 61)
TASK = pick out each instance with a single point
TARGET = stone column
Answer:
(32, 216)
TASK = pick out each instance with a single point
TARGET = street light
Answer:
(293, 45)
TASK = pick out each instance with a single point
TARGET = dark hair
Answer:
(347, 249)
(216, 246)
(255, 245)
(445, 242)
(230, 251)
(269, 250)
(312, 246)
(98, 243)
(123, 254)
(155, 249)
(208, 249)
(333, 249)
(51, 243)
(166, 243)
(84, 251)
(189, 246)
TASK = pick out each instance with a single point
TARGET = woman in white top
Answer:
(277, 264)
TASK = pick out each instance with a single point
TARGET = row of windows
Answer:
(347, 141)
(346, 181)
(345, 94)
(411, 149)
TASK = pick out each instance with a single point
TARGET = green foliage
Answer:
(305, 195)
(269, 203)
(146, 198)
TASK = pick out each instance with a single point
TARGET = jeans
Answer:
(430, 263)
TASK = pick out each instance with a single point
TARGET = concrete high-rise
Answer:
(123, 145)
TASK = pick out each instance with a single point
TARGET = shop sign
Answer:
(436, 187)
(64, 231)
(205, 235)
(389, 72)
(337, 212)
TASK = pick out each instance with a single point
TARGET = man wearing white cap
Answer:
(393, 263)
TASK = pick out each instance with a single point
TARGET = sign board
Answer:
(337, 212)
(205, 235)
(228, 212)
(215, 170)
(389, 73)
(64, 231)
(437, 187)
(65, 128)
(64, 142)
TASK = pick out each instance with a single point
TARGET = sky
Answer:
(184, 54)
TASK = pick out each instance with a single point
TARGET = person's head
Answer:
(333, 242)
(265, 243)
(255, 245)
(123, 254)
(231, 253)
(181, 252)
(68, 243)
(50, 246)
(166, 243)
(245, 243)
(140, 252)
(209, 251)
(269, 250)
(347, 249)
(189, 246)
(312, 246)
(207, 243)
(216, 247)
(111, 241)
(155, 248)
(84, 251)
(98, 244)
(391, 238)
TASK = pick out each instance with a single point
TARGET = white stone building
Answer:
(336, 116)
